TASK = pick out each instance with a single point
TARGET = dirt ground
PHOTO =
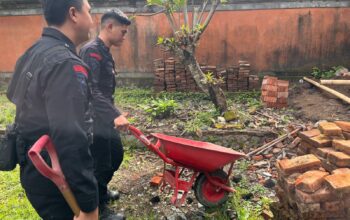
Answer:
(313, 104)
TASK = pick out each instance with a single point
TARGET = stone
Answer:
(310, 181)
(322, 195)
(341, 170)
(339, 182)
(342, 145)
(299, 164)
(276, 150)
(344, 125)
(269, 183)
(306, 135)
(320, 141)
(329, 129)
(339, 159)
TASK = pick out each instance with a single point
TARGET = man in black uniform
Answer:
(51, 94)
(107, 149)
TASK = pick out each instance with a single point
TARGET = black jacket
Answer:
(56, 102)
(98, 57)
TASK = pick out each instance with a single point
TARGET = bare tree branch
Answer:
(171, 21)
(204, 6)
(186, 14)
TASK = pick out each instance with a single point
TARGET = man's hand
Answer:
(121, 123)
(87, 216)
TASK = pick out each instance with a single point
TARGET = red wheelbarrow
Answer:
(210, 182)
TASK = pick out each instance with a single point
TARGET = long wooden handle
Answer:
(329, 90)
(72, 202)
(335, 82)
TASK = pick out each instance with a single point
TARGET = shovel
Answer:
(53, 173)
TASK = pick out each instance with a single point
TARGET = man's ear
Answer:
(72, 13)
(110, 26)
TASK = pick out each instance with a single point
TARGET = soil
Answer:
(312, 104)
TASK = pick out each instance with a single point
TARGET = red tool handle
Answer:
(55, 173)
(155, 148)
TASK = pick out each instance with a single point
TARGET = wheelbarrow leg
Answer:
(188, 187)
(176, 188)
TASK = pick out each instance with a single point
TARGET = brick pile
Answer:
(316, 185)
(171, 75)
(274, 92)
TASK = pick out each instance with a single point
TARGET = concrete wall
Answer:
(272, 40)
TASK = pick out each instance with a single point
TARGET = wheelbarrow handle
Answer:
(55, 173)
(155, 148)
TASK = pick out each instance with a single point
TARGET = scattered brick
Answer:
(306, 147)
(310, 181)
(306, 135)
(327, 165)
(322, 195)
(344, 125)
(346, 135)
(320, 141)
(323, 152)
(339, 182)
(339, 159)
(330, 129)
(342, 145)
(258, 157)
(341, 171)
(299, 164)
(156, 180)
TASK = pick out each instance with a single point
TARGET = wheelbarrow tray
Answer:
(200, 156)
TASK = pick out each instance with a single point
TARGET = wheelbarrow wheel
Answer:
(208, 194)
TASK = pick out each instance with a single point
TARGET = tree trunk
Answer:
(214, 91)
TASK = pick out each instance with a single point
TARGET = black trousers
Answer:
(107, 153)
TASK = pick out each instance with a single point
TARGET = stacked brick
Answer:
(274, 92)
(316, 185)
(171, 75)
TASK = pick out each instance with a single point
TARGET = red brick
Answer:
(282, 83)
(282, 95)
(332, 206)
(329, 128)
(344, 125)
(269, 80)
(308, 208)
(346, 135)
(271, 93)
(258, 157)
(321, 195)
(339, 182)
(342, 145)
(323, 152)
(341, 170)
(339, 158)
(321, 141)
(270, 99)
(327, 165)
(311, 181)
(269, 88)
(156, 180)
(299, 164)
(305, 146)
(282, 100)
(306, 135)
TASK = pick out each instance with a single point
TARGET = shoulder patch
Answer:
(96, 56)
(80, 69)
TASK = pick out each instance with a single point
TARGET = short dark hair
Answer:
(56, 11)
(117, 15)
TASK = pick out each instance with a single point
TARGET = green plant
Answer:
(160, 108)
(200, 120)
(325, 74)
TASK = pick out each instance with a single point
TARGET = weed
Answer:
(160, 108)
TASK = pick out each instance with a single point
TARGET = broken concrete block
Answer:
(321, 195)
(340, 183)
(299, 164)
(329, 129)
(344, 125)
(341, 170)
(323, 152)
(342, 145)
(321, 141)
(306, 135)
(339, 159)
(311, 181)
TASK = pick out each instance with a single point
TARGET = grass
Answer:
(14, 204)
